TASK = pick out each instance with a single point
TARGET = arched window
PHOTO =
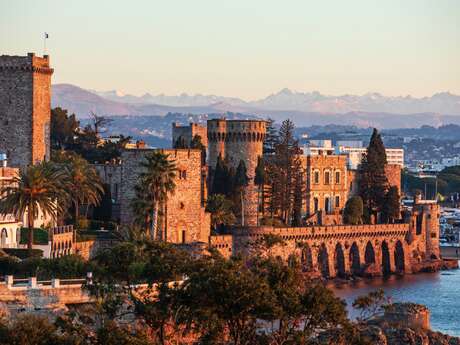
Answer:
(316, 177)
(315, 204)
(337, 201)
(327, 177)
(327, 204)
(4, 237)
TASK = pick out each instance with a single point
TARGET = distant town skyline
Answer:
(245, 49)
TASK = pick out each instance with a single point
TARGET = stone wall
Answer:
(342, 250)
(25, 96)
(186, 219)
(393, 172)
(223, 244)
(187, 133)
(237, 140)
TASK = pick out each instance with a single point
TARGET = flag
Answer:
(46, 35)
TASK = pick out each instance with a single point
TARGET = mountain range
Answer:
(305, 109)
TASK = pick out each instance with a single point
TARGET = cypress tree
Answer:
(240, 181)
(391, 207)
(259, 181)
(219, 177)
(373, 183)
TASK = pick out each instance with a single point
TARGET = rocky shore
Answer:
(401, 324)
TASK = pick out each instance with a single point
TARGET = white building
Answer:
(353, 149)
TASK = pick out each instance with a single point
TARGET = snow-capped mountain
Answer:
(286, 99)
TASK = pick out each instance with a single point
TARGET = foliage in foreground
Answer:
(186, 299)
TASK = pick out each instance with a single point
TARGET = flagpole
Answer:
(45, 36)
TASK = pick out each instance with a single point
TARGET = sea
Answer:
(439, 291)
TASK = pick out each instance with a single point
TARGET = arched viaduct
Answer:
(338, 251)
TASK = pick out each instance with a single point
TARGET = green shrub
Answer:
(72, 266)
(40, 236)
(23, 253)
(353, 212)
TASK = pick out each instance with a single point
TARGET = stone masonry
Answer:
(342, 250)
(186, 220)
(25, 97)
(327, 183)
(187, 133)
(237, 140)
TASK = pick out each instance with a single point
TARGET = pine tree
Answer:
(284, 171)
(373, 183)
(271, 138)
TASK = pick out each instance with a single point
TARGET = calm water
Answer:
(440, 292)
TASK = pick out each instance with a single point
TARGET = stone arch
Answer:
(354, 259)
(369, 254)
(323, 261)
(399, 257)
(386, 263)
(339, 260)
(306, 258)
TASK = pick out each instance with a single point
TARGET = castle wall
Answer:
(186, 219)
(187, 133)
(237, 140)
(223, 244)
(25, 97)
(341, 250)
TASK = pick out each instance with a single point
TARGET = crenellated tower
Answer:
(25, 100)
(237, 140)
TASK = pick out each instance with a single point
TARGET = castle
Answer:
(323, 245)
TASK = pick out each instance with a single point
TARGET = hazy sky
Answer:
(243, 48)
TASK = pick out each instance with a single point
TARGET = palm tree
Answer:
(157, 180)
(82, 182)
(38, 187)
(142, 207)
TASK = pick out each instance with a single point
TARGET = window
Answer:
(337, 201)
(327, 177)
(337, 177)
(315, 204)
(316, 177)
(182, 174)
(327, 204)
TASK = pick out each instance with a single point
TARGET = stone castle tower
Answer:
(25, 98)
(187, 133)
(237, 140)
